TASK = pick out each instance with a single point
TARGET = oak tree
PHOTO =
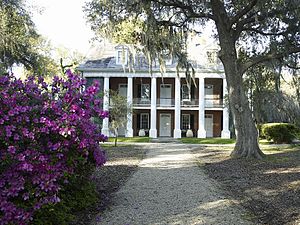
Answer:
(265, 29)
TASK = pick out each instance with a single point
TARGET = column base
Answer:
(177, 133)
(129, 133)
(225, 134)
(153, 133)
(201, 134)
(105, 131)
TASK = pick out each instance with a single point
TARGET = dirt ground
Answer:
(269, 189)
(122, 163)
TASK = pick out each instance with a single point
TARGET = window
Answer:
(144, 121)
(145, 91)
(121, 57)
(123, 90)
(186, 119)
(185, 92)
(211, 57)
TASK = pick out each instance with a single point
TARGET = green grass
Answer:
(131, 139)
(207, 141)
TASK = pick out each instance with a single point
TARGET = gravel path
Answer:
(168, 189)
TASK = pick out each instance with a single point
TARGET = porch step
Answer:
(164, 140)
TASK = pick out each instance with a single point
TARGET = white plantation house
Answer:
(163, 104)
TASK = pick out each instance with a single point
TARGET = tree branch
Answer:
(184, 7)
(258, 59)
(243, 12)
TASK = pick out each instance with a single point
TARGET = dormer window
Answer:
(122, 57)
(211, 57)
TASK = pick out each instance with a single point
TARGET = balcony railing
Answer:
(189, 103)
(214, 103)
(168, 102)
(165, 102)
(141, 102)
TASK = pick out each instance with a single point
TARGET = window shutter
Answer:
(138, 121)
(192, 92)
(192, 121)
(139, 91)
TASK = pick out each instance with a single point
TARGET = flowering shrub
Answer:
(46, 136)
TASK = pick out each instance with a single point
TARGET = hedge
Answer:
(279, 132)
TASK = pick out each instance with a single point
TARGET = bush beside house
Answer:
(49, 146)
(279, 132)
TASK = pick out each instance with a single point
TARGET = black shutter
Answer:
(192, 121)
(139, 91)
(192, 92)
(138, 120)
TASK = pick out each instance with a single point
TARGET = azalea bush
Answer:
(47, 140)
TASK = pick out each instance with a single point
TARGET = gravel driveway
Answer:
(168, 189)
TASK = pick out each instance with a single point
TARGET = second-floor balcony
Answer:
(185, 103)
(214, 103)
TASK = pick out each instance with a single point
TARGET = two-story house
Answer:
(163, 104)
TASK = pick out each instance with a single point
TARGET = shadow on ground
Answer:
(269, 188)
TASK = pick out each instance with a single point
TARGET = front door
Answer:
(209, 119)
(165, 125)
(165, 94)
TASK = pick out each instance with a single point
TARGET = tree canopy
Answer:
(263, 29)
(20, 44)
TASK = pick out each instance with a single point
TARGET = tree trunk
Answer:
(246, 133)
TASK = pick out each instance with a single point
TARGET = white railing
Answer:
(168, 102)
(214, 103)
(165, 102)
(141, 102)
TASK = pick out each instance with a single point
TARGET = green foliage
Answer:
(17, 35)
(119, 109)
(132, 139)
(279, 132)
(78, 195)
(207, 141)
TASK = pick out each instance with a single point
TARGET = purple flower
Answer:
(11, 149)
(46, 128)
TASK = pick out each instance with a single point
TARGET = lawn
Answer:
(130, 139)
(207, 141)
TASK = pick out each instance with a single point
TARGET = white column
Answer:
(153, 130)
(129, 130)
(225, 132)
(177, 131)
(105, 129)
(201, 120)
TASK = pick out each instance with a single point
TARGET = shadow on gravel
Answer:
(269, 188)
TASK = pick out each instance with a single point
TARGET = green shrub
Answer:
(78, 195)
(279, 132)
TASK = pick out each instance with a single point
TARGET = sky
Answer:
(62, 22)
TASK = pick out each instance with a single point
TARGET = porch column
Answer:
(177, 131)
(105, 129)
(153, 130)
(201, 111)
(225, 132)
(129, 130)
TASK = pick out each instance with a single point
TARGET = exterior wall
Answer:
(166, 81)
(217, 122)
(218, 86)
(115, 81)
(136, 121)
(194, 122)
(137, 81)
(194, 89)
